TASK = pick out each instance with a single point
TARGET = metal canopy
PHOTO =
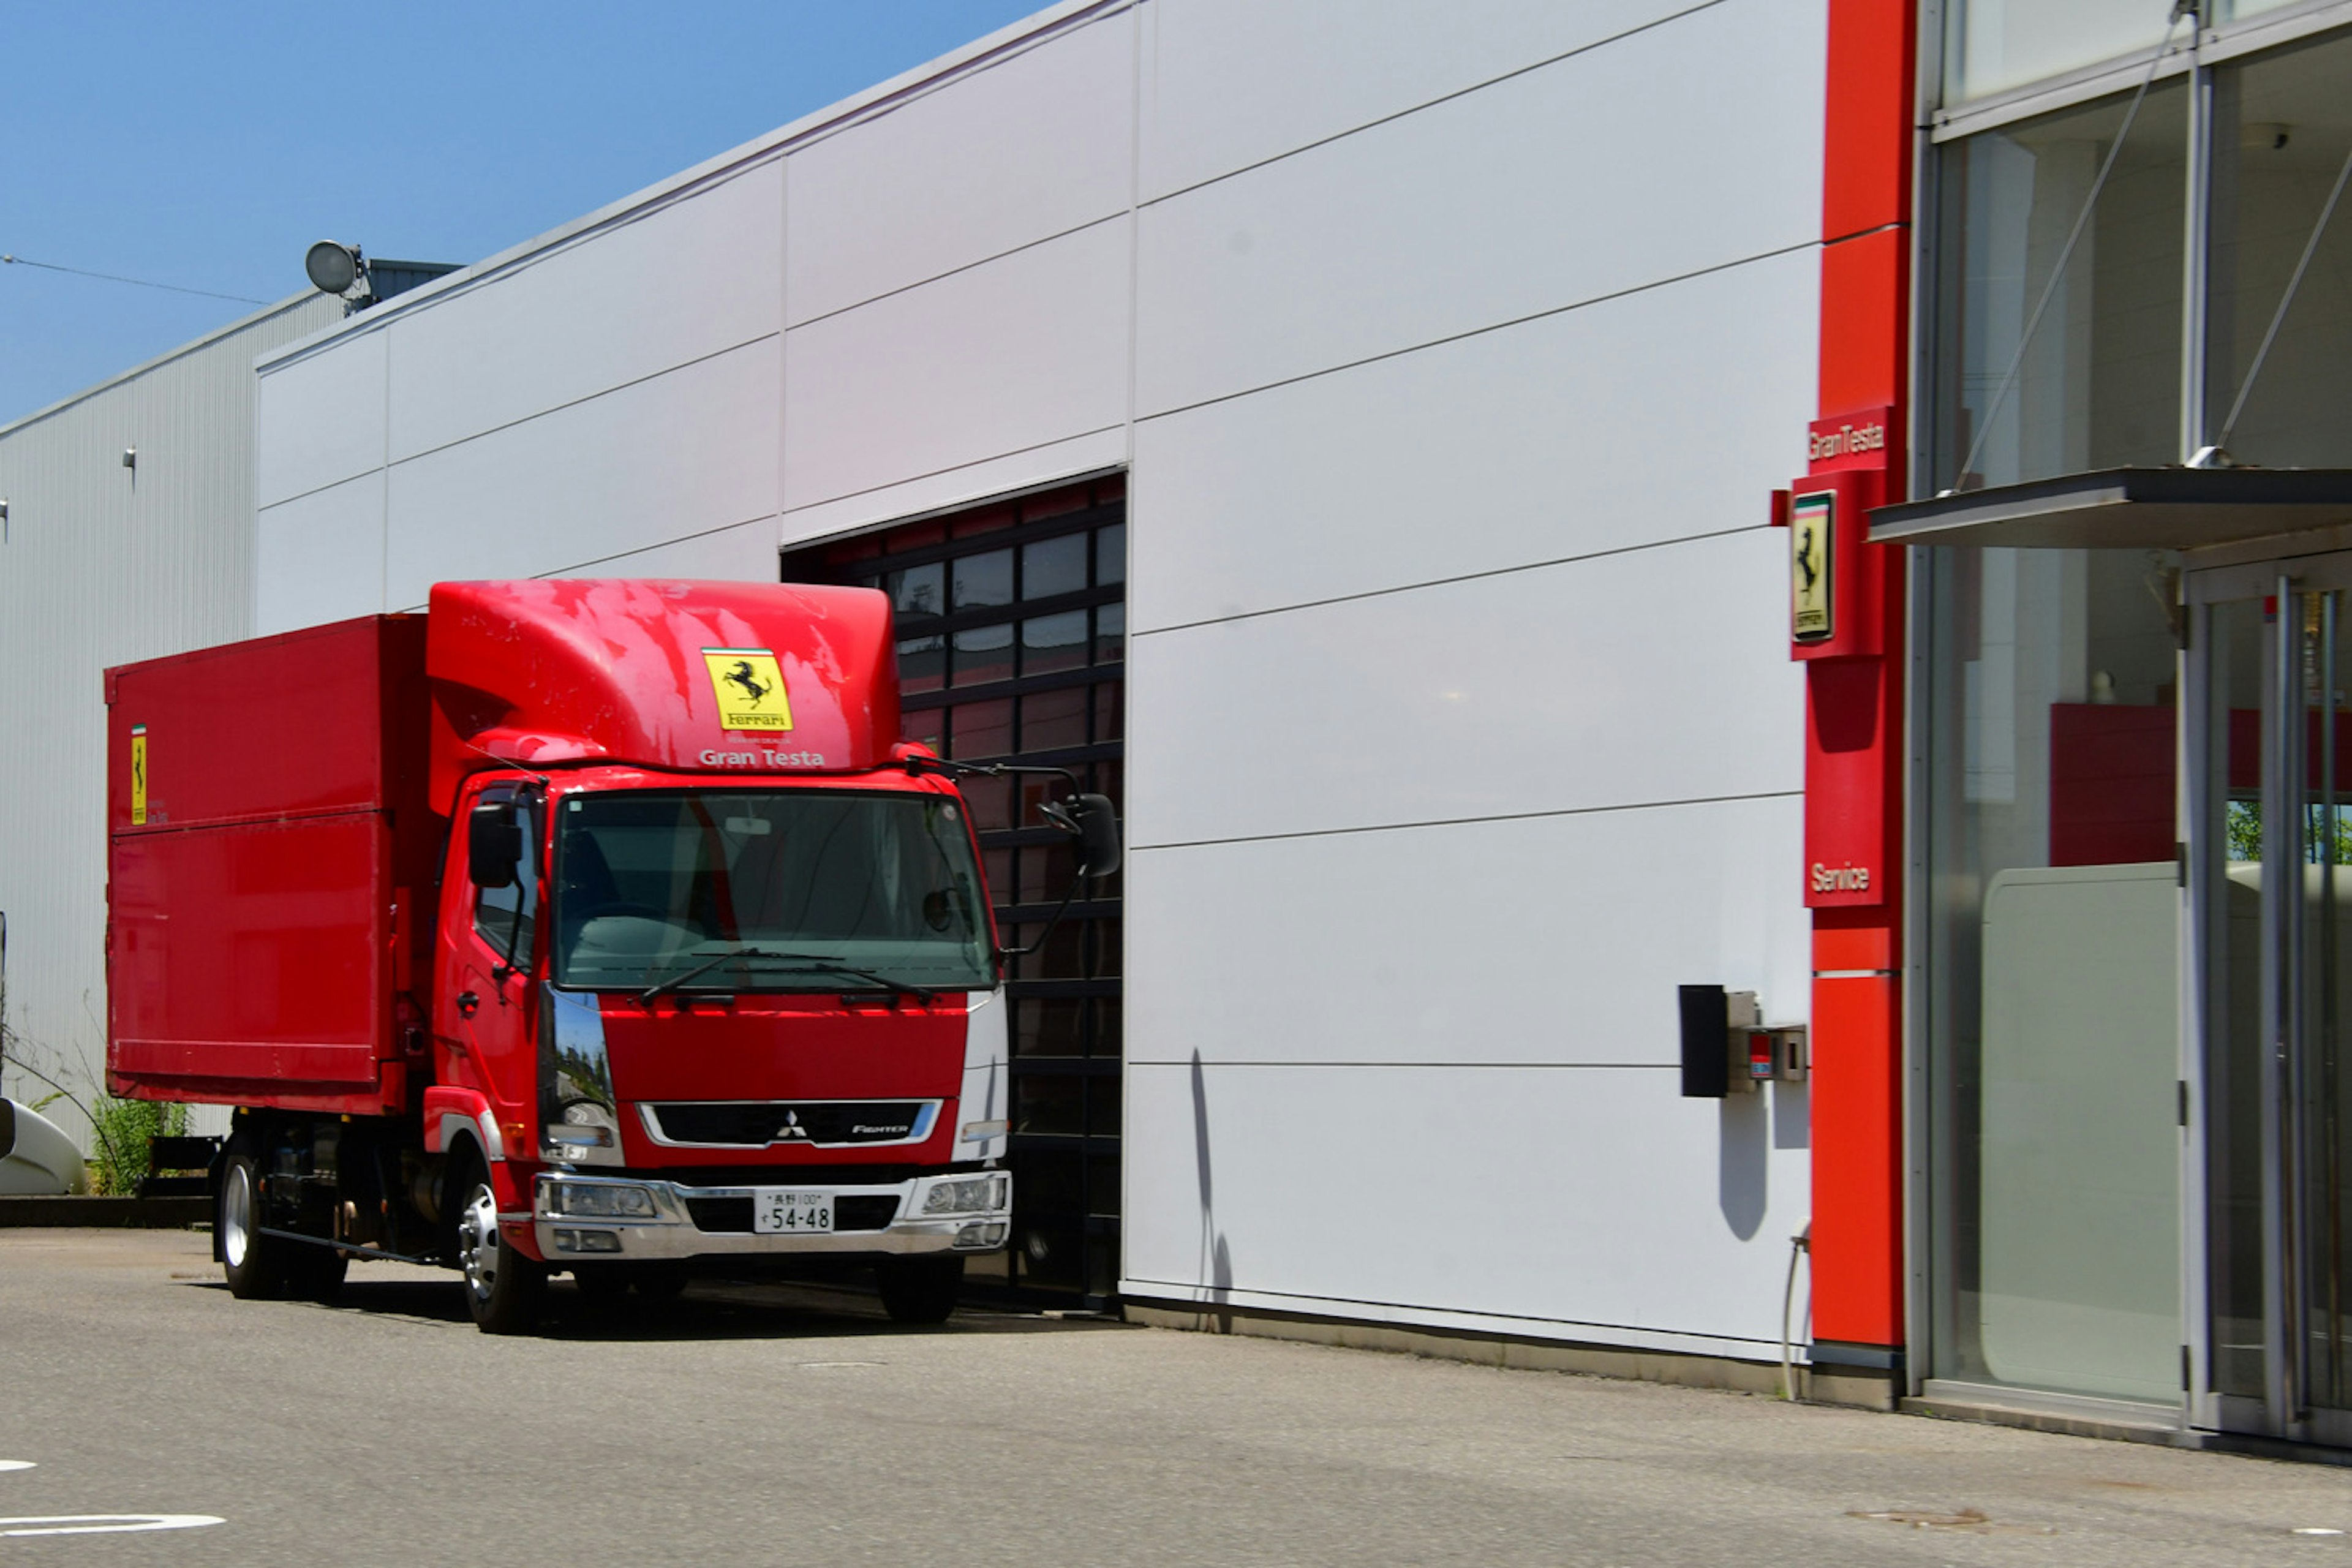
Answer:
(2129, 509)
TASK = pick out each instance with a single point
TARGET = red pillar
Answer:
(1853, 709)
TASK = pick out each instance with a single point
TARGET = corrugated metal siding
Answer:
(104, 564)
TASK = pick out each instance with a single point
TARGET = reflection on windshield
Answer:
(651, 885)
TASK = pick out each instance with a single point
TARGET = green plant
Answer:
(124, 1127)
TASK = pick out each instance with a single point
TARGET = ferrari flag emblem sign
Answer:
(750, 688)
(1811, 560)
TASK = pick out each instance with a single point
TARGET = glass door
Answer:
(2271, 834)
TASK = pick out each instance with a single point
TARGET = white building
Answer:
(1441, 357)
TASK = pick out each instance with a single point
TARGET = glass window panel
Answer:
(1102, 1186)
(1110, 555)
(983, 579)
(997, 864)
(917, 593)
(1110, 634)
(979, 730)
(2099, 384)
(1047, 1027)
(983, 653)
(1053, 720)
(992, 807)
(1054, 642)
(1042, 1103)
(1102, 1107)
(2280, 138)
(1060, 958)
(1105, 936)
(1049, 1182)
(1991, 46)
(922, 663)
(1107, 1040)
(2054, 971)
(1046, 872)
(927, 725)
(1054, 566)
(1110, 710)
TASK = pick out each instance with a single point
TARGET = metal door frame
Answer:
(2285, 1409)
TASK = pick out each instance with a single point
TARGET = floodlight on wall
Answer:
(334, 268)
(129, 457)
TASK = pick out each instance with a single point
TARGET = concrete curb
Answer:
(112, 1214)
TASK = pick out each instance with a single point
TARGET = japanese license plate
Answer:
(781, 1211)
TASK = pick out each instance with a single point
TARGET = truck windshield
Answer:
(832, 889)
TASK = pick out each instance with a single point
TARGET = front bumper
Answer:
(705, 1222)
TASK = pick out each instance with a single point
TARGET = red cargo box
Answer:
(270, 859)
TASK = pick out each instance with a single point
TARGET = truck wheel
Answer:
(503, 1287)
(255, 1263)
(267, 1268)
(919, 1290)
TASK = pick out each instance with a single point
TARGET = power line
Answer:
(135, 282)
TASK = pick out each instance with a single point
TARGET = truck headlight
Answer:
(599, 1200)
(969, 1195)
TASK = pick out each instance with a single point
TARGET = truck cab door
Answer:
(484, 1015)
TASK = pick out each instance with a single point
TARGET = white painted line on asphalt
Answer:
(822, 1365)
(15, 1464)
(2314, 1530)
(103, 1523)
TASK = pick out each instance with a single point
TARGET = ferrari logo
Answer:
(750, 688)
(1810, 561)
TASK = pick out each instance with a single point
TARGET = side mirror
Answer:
(493, 844)
(1097, 824)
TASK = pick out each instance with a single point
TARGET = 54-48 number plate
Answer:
(781, 1210)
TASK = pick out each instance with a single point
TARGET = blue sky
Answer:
(207, 145)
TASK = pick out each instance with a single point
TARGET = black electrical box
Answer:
(1707, 1028)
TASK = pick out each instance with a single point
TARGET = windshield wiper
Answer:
(819, 961)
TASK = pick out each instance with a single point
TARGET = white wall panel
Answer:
(745, 553)
(319, 420)
(321, 557)
(678, 284)
(1590, 430)
(982, 481)
(1683, 147)
(1030, 147)
(1656, 675)
(1560, 1195)
(1231, 82)
(656, 460)
(1539, 940)
(1026, 350)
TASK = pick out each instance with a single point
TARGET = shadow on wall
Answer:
(1214, 1265)
(1743, 1139)
(1748, 1128)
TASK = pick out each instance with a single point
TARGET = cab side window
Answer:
(496, 910)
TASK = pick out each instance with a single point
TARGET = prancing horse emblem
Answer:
(741, 676)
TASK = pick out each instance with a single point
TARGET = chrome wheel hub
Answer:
(237, 1215)
(477, 1242)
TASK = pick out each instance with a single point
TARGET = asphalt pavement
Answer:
(769, 1424)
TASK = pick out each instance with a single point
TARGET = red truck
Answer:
(602, 927)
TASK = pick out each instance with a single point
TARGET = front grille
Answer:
(755, 1124)
(852, 1211)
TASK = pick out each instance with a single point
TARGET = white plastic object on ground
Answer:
(36, 1159)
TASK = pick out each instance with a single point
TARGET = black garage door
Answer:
(1012, 642)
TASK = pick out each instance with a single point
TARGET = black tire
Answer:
(919, 1290)
(258, 1267)
(504, 1290)
(265, 1268)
